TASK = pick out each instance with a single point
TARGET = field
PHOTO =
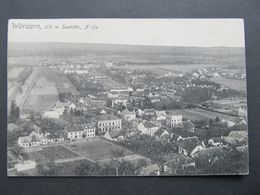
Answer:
(185, 68)
(53, 153)
(42, 96)
(200, 114)
(13, 72)
(97, 149)
(62, 83)
(101, 150)
(239, 85)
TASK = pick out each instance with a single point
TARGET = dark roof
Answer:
(148, 124)
(74, 127)
(149, 110)
(53, 136)
(178, 159)
(106, 117)
(238, 135)
(216, 139)
(187, 125)
(115, 133)
(189, 143)
(211, 152)
(159, 132)
(127, 112)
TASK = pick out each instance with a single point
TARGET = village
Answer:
(178, 122)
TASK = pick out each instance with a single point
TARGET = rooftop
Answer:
(148, 124)
(187, 124)
(106, 117)
(189, 143)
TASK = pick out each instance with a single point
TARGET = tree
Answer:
(14, 112)
(217, 120)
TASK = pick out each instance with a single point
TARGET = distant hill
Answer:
(165, 54)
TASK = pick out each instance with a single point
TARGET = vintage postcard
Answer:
(126, 97)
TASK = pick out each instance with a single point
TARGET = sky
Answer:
(163, 32)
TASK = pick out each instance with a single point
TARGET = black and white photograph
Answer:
(126, 97)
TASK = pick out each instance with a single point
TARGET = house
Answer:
(34, 139)
(228, 122)
(148, 128)
(188, 126)
(242, 111)
(173, 119)
(149, 112)
(121, 99)
(114, 135)
(108, 122)
(89, 130)
(28, 141)
(51, 114)
(187, 145)
(215, 141)
(128, 115)
(25, 165)
(236, 138)
(209, 155)
(72, 106)
(178, 162)
(160, 115)
(139, 113)
(59, 107)
(80, 131)
(121, 89)
(74, 132)
(25, 114)
(162, 135)
(152, 169)
(52, 138)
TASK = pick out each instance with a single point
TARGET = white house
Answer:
(34, 139)
(72, 106)
(25, 114)
(75, 132)
(89, 131)
(139, 112)
(51, 114)
(160, 115)
(79, 132)
(147, 128)
(242, 111)
(53, 138)
(59, 107)
(173, 119)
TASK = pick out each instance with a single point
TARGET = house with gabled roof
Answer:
(114, 135)
(178, 162)
(236, 138)
(80, 131)
(188, 126)
(162, 135)
(147, 128)
(188, 145)
(209, 155)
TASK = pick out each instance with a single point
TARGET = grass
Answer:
(235, 84)
(96, 149)
(199, 114)
(52, 153)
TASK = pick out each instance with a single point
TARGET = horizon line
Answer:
(124, 44)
